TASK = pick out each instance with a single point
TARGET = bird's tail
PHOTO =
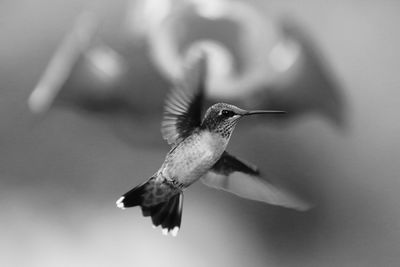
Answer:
(158, 199)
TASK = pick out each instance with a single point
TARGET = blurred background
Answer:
(67, 156)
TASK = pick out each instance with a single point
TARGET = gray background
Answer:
(61, 173)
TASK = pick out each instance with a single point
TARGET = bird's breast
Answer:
(193, 157)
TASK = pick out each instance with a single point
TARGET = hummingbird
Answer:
(198, 153)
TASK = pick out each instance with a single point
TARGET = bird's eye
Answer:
(227, 113)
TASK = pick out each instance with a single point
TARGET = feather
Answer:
(182, 111)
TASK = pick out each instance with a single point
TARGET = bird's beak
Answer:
(253, 112)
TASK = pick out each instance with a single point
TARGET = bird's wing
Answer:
(182, 111)
(236, 176)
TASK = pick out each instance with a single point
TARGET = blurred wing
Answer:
(237, 177)
(228, 164)
(182, 111)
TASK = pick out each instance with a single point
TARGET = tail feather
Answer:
(173, 214)
(159, 200)
(158, 214)
(132, 198)
(161, 214)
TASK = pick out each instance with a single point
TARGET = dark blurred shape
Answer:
(254, 62)
(309, 85)
(97, 64)
(85, 75)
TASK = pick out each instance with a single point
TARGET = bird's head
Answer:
(222, 118)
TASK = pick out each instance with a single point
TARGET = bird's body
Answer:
(193, 157)
(198, 152)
